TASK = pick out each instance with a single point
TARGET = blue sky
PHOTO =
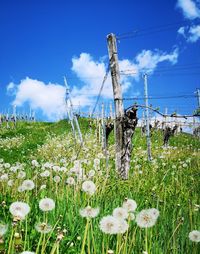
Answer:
(43, 40)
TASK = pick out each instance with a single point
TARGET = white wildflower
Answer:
(56, 179)
(20, 188)
(35, 163)
(43, 228)
(145, 219)
(91, 173)
(120, 213)
(28, 185)
(3, 229)
(123, 227)
(46, 204)
(4, 178)
(21, 175)
(155, 212)
(46, 173)
(7, 165)
(194, 236)
(89, 187)
(70, 180)
(89, 212)
(109, 225)
(19, 209)
(10, 182)
(130, 205)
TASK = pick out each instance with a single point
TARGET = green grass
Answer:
(169, 183)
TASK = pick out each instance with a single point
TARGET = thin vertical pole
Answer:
(198, 97)
(119, 109)
(147, 118)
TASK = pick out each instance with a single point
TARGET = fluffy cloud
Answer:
(50, 98)
(91, 73)
(149, 60)
(189, 8)
(191, 34)
(47, 97)
(194, 33)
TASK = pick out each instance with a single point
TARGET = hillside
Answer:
(79, 179)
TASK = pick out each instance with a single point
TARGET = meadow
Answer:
(57, 196)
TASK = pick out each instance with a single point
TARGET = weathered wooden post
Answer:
(125, 123)
(119, 109)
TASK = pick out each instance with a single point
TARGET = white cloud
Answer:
(47, 97)
(189, 8)
(50, 98)
(191, 34)
(91, 73)
(194, 33)
(149, 60)
(181, 31)
(11, 88)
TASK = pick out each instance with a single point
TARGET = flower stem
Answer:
(85, 237)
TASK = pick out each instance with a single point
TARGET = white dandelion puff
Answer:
(89, 187)
(120, 213)
(43, 228)
(28, 185)
(46, 204)
(123, 227)
(19, 209)
(56, 179)
(46, 173)
(35, 163)
(145, 219)
(70, 180)
(194, 236)
(21, 175)
(3, 229)
(130, 205)
(89, 212)
(155, 212)
(20, 188)
(109, 225)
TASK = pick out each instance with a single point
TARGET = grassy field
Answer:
(76, 177)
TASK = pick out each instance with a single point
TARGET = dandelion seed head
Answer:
(123, 226)
(130, 205)
(43, 227)
(89, 187)
(120, 213)
(46, 204)
(70, 180)
(194, 236)
(56, 179)
(145, 219)
(28, 185)
(3, 229)
(19, 209)
(89, 212)
(109, 225)
(155, 212)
